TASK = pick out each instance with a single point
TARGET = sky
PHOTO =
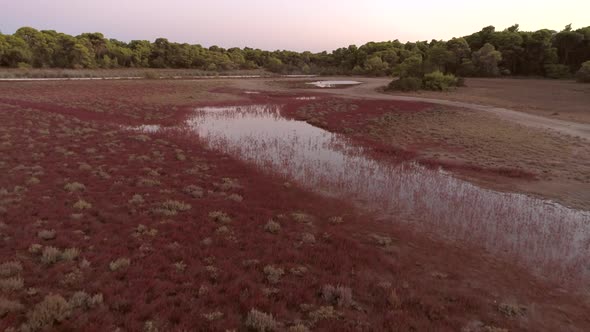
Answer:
(299, 25)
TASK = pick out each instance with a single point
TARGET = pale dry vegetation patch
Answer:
(335, 220)
(337, 295)
(272, 227)
(171, 208)
(83, 300)
(261, 322)
(308, 238)
(273, 274)
(119, 264)
(74, 186)
(220, 217)
(512, 309)
(50, 255)
(7, 306)
(322, 313)
(53, 309)
(136, 200)
(382, 240)
(193, 191)
(11, 284)
(9, 269)
(212, 316)
(236, 198)
(301, 217)
(82, 205)
(46, 234)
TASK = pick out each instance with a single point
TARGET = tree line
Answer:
(556, 54)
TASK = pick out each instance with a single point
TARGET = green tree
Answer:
(375, 66)
(486, 60)
(411, 67)
(565, 42)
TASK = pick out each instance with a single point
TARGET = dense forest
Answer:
(485, 53)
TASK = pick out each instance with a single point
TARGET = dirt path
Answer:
(370, 86)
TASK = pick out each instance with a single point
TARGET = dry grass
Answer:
(46, 234)
(194, 191)
(74, 186)
(7, 306)
(70, 254)
(273, 274)
(272, 227)
(9, 269)
(322, 313)
(512, 310)
(261, 322)
(50, 255)
(53, 309)
(119, 264)
(11, 284)
(82, 205)
(171, 208)
(136, 200)
(339, 295)
(220, 217)
(212, 316)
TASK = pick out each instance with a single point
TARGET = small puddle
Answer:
(333, 84)
(550, 239)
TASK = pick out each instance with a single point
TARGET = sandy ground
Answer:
(535, 110)
(104, 228)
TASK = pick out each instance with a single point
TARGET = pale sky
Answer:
(298, 25)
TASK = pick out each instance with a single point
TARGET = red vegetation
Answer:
(416, 282)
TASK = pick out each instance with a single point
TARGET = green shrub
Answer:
(406, 84)
(437, 81)
(583, 75)
(557, 71)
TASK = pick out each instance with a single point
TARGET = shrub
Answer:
(339, 295)
(70, 254)
(50, 255)
(437, 81)
(260, 321)
(557, 71)
(406, 84)
(171, 207)
(272, 227)
(46, 234)
(583, 75)
(119, 263)
(11, 284)
(8, 269)
(74, 186)
(7, 306)
(273, 274)
(82, 205)
(53, 308)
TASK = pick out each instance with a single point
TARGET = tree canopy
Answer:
(484, 53)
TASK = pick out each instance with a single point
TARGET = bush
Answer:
(406, 84)
(437, 81)
(557, 71)
(583, 75)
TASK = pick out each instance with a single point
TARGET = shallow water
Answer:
(333, 84)
(550, 239)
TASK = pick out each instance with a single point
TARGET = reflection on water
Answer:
(333, 84)
(549, 238)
